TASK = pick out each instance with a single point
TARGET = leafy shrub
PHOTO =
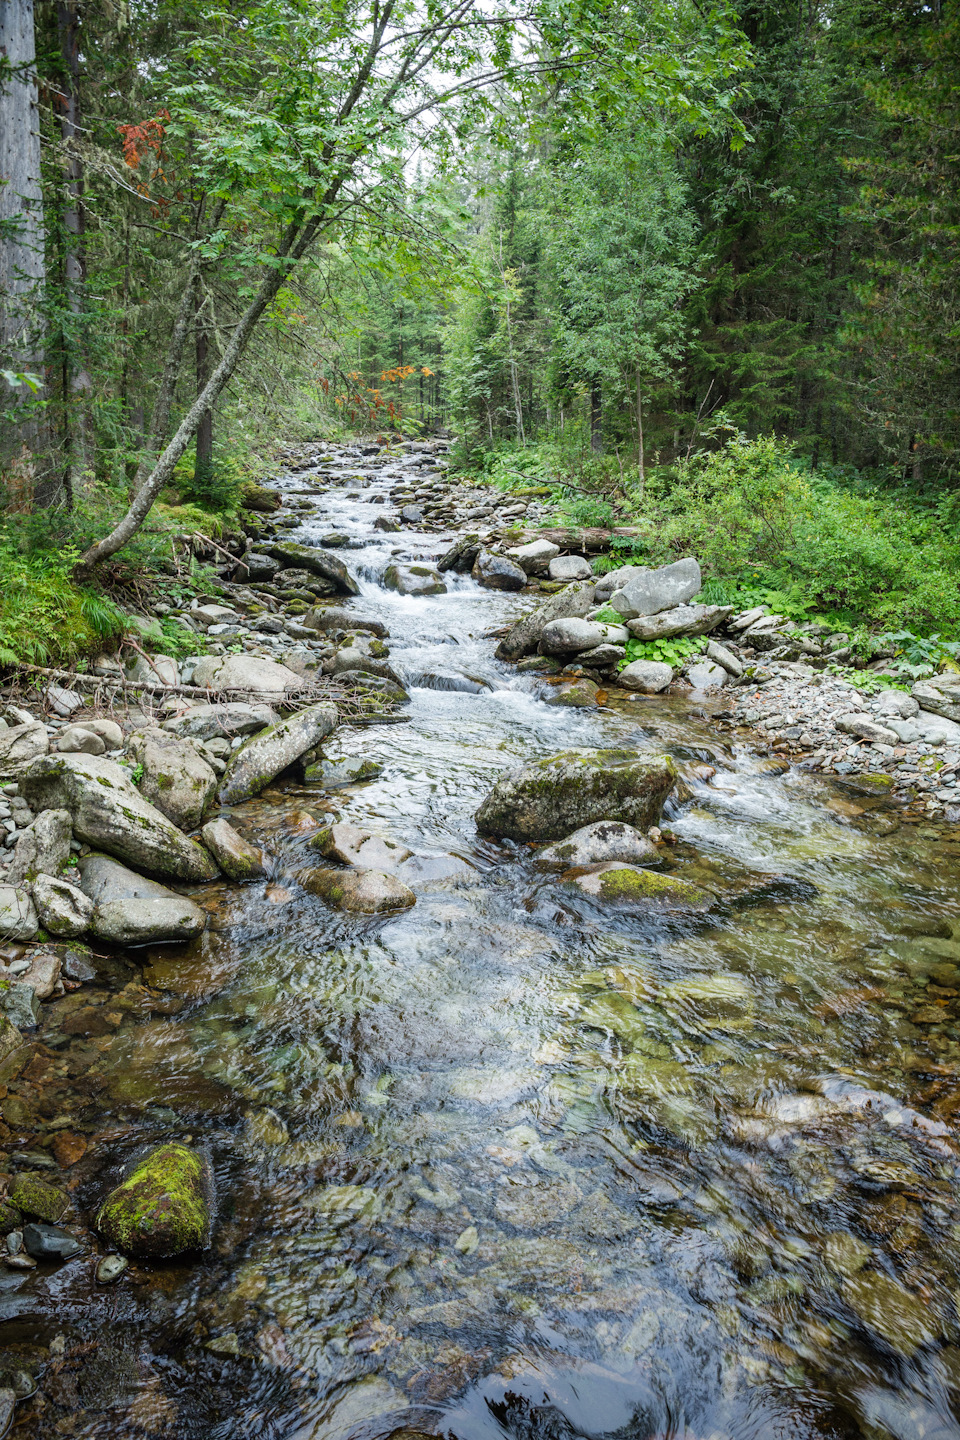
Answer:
(669, 652)
(44, 616)
(217, 490)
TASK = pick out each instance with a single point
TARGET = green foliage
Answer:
(606, 615)
(868, 681)
(669, 652)
(216, 491)
(136, 772)
(44, 616)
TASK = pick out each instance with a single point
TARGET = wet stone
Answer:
(38, 1199)
(49, 1242)
(905, 1320)
(110, 1268)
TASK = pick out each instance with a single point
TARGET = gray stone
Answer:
(865, 728)
(896, 705)
(549, 799)
(939, 696)
(353, 658)
(577, 692)
(77, 740)
(595, 844)
(206, 615)
(318, 562)
(926, 728)
(153, 670)
(535, 557)
(108, 812)
(411, 514)
(746, 618)
(21, 744)
(705, 675)
(363, 892)
(569, 567)
(131, 910)
(617, 579)
(722, 656)
(263, 756)
(257, 567)
(49, 1242)
(681, 620)
(63, 909)
(497, 572)
(61, 701)
(43, 848)
(336, 617)
(574, 601)
(10, 1037)
(21, 1006)
(43, 974)
(176, 779)
(8, 1403)
(18, 918)
(603, 657)
(246, 674)
(656, 590)
(413, 580)
(647, 676)
(569, 636)
(352, 845)
(331, 774)
(227, 719)
(108, 730)
(238, 859)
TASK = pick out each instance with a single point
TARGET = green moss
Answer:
(163, 1206)
(37, 1198)
(637, 886)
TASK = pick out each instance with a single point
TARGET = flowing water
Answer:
(508, 1164)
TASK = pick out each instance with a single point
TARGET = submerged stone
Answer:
(593, 844)
(711, 1002)
(906, 1321)
(364, 892)
(163, 1206)
(615, 883)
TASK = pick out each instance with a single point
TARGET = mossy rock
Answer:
(551, 798)
(34, 1197)
(10, 1217)
(613, 883)
(163, 1207)
(869, 783)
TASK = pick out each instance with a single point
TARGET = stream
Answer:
(512, 1165)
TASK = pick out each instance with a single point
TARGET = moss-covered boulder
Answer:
(10, 1037)
(263, 756)
(614, 883)
(163, 1206)
(237, 858)
(553, 797)
(362, 892)
(34, 1197)
(175, 777)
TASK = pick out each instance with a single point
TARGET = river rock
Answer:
(10, 1037)
(44, 972)
(163, 1206)
(569, 567)
(109, 813)
(681, 620)
(43, 848)
(225, 720)
(153, 669)
(49, 1242)
(569, 636)
(549, 799)
(940, 695)
(413, 580)
(931, 729)
(603, 657)
(176, 779)
(617, 579)
(318, 562)
(132, 910)
(497, 572)
(534, 558)
(654, 590)
(108, 730)
(352, 845)
(238, 859)
(352, 658)
(263, 756)
(254, 566)
(720, 655)
(38, 1199)
(905, 1320)
(18, 918)
(363, 892)
(865, 727)
(614, 883)
(461, 555)
(579, 693)
(21, 1004)
(336, 617)
(596, 844)
(896, 705)
(705, 675)
(62, 908)
(331, 774)
(21, 744)
(574, 600)
(77, 740)
(250, 673)
(710, 1002)
(649, 677)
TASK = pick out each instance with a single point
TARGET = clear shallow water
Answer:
(510, 1165)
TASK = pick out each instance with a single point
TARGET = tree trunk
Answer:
(641, 467)
(203, 464)
(161, 406)
(21, 245)
(77, 379)
(596, 417)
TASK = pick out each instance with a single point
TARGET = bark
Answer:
(596, 417)
(203, 464)
(641, 463)
(77, 382)
(160, 418)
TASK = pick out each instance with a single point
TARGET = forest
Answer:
(690, 269)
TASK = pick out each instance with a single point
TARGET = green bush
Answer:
(44, 616)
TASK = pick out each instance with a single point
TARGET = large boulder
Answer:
(18, 918)
(617, 579)
(318, 562)
(894, 704)
(352, 845)
(940, 695)
(534, 558)
(128, 909)
(497, 572)
(224, 720)
(108, 811)
(237, 858)
(245, 674)
(43, 848)
(263, 756)
(175, 777)
(163, 1206)
(573, 601)
(648, 677)
(654, 590)
(569, 567)
(681, 620)
(21, 744)
(336, 617)
(361, 892)
(62, 908)
(413, 580)
(569, 637)
(553, 797)
(596, 844)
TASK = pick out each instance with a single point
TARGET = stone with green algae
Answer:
(37, 1199)
(614, 883)
(163, 1206)
(905, 1320)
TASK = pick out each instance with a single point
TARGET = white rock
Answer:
(647, 676)
(656, 590)
(569, 567)
(534, 558)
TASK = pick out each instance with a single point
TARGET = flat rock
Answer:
(570, 636)
(555, 796)
(63, 909)
(21, 744)
(706, 675)
(364, 892)
(574, 600)
(578, 693)
(109, 813)
(656, 590)
(225, 720)
(615, 883)
(251, 674)
(680, 620)
(596, 844)
(497, 572)
(176, 779)
(928, 728)
(263, 756)
(38, 1199)
(534, 558)
(865, 727)
(569, 567)
(648, 677)
(238, 859)
(129, 909)
(896, 704)
(108, 730)
(49, 1242)
(18, 917)
(164, 1205)
(336, 617)
(318, 562)
(352, 845)
(939, 695)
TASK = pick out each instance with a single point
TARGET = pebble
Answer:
(110, 1268)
